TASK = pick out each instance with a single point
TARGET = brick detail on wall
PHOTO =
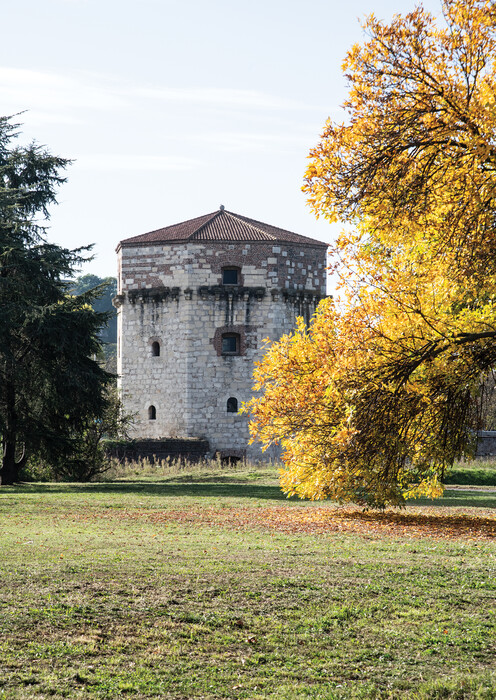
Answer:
(245, 333)
(289, 266)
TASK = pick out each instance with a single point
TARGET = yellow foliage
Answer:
(379, 395)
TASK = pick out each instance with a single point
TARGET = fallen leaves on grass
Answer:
(320, 520)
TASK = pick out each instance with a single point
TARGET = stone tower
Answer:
(195, 303)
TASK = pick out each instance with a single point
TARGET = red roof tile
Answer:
(221, 225)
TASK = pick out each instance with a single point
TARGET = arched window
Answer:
(155, 349)
(232, 405)
(152, 413)
(230, 344)
(230, 275)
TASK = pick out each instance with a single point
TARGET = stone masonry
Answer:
(189, 332)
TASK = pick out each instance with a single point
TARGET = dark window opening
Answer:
(230, 461)
(232, 405)
(230, 344)
(152, 413)
(230, 275)
(228, 457)
(155, 349)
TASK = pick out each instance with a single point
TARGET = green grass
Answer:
(479, 472)
(101, 599)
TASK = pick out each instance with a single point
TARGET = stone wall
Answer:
(486, 443)
(173, 294)
(190, 265)
(193, 450)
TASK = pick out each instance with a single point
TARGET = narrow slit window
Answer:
(232, 405)
(152, 413)
(155, 349)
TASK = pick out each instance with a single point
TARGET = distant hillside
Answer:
(104, 303)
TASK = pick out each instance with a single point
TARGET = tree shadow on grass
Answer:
(229, 488)
(158, 489)
(461, 499)
(415, 523)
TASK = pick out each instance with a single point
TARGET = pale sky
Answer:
(170, 109)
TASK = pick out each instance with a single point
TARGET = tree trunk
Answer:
(10, 469)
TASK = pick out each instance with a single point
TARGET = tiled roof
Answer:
(221, 225)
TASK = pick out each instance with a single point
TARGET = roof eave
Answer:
(276, 241)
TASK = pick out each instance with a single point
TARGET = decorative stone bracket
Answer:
(152, 295)
(159, 294)
(296, 297)
(227, 292)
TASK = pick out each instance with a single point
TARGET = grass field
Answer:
(480, 472)
(210, 584)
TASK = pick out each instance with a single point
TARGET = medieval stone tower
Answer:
(195, 303)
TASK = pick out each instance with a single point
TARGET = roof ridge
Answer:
(205, 223)
(238, 217)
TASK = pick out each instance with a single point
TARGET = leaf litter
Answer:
(436, 523)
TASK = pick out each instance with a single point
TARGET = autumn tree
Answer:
(378, 397)
(50, 384)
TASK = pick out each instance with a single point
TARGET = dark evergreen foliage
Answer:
(102, 302)
(50, 382)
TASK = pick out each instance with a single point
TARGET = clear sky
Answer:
(170, 108)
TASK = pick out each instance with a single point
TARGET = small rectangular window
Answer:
(230, 344)
(230, 276)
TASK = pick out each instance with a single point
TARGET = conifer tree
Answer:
(49, 381)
